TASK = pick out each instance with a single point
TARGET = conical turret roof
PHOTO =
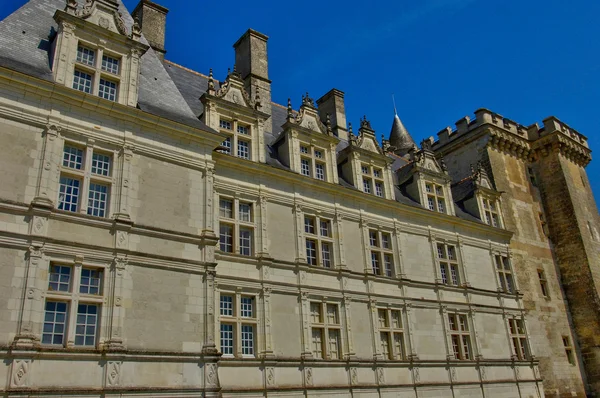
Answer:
(400, 139)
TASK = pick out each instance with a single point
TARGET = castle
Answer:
(166, 234)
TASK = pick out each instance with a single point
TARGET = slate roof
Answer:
(25, 47)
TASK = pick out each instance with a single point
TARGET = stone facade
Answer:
(184, 236)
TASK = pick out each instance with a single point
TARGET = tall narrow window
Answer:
(543, 283)
(391, 334)
(518, 338)
(236, 226)
(319, 241)
(73, 177)
(460, 336)
(381, 252)
(448, 262)
(372, 178)
(568, 349)
(238, 325)
(93, 77)
(490, 212)
(436, 200)
(325, 329)
(239, 140)
(504, 273)
(312, 162)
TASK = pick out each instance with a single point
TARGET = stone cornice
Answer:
(566, 146)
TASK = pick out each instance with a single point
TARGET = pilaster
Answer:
(123, 183)
(305, 313)
(268, 335)
(209, 347)
(346, 301)
(120, 278)
(48, 173)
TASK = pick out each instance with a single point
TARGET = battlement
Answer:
(530, 133)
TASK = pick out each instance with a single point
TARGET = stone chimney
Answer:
(332, 104)
(252, 63)
(152, 19)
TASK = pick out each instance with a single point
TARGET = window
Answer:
(73, 177)
(372, 178)
(93, 77)
(435, 197)
(519, 338)
(382, 254)
(238, 324)
(569, 349)
(460, 336)
(236, 226)
(391, 334)
(240, 138)
(490, 212)
(325, 330)
(73, 292)
(504, 274)
(319, 241)
(531, 175)
(543, 283)
(312, 162)
(448, 261)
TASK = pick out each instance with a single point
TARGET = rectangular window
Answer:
(317, 343)
(381, 253)
(305, 167)
(318, 154)
(60, 278)
(311, 252)
(246, 241)
(460, 336)
(387, 265)
(226, 305)
(376, 173)
(226, 238)
(226, 339)
(366, 185)
(364, 169)
(245, 212)
(100, 164)
(435, 197)
(225, 124)
(243, 130)
(55, 323)
(247, 307)
(110, 64)
(504, 273)
(375, 263)
(391, 334)
(68, 196)
(518, 337)
(72, 157)
(226, 146)
(309, 225)
(86, 325)
(238, 324)
(326, 254)
(243, 149)
(543, 283)
(319, 245)
(490, 211)
(325, 228)
(107, 90)
(90, 281)
(86, 55)
(82, 81)
(569, 349)
(448, 264)
(97, 200)
(304, 149)
(320, 171)
(247, 340)
(225, 208)
(325, 329)
(236, 228)
(379, 189)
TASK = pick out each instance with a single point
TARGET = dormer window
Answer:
(372, 180)
(435, 197)
(240, 140)
(91, 78)
(312, 162)
(490, 211)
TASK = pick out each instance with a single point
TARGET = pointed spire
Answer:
(211, 83)
(400, 137)
(289, 109)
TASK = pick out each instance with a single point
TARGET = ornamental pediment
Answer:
(232, 90)
(103, 13)
(308, 117)
(366, 138)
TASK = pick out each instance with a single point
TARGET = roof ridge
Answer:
(186, 69)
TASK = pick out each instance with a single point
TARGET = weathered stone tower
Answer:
(549, 206)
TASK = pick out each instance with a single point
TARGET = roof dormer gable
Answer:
(233, 90)
(307, 118)
(103, 13)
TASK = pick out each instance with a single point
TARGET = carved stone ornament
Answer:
(20, 372)
(233, 90)
(353, 376)
(270, 376)
(113, 373)
(308, 372)
(212, 379)
(307, 116)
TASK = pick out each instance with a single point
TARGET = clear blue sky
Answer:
(442, 59)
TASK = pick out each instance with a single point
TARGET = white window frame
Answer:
(235, 136)
(326, 329)
(87, 179)
(490, 211)
(437, 194)
(506, 279)
(462, 330)
(73, 297)
(445, 264)
(238, 321)
(237, 225)
(372, 177)
(319, 239)
(392, 332)
(96, 69)
(311, 156)
(380, 253)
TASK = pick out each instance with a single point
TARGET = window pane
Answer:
(243, 129)
(385, 241)
(243, 149)
(311, 252)
(318, 154)
(396, 320)
(97, 199)
(59, 278)
(72, 157)
(225, 124)
(247, 340)
(387, 264)
(226, 146)
(430, 203)
(378, 189)
(326, 254)
(382, 316)
(366, 185)
(68, 196)
(107, 90)
(315, 312)
(245, 241)
(320, 171)
(226, 208)
(334, 344)
(226, 238)
(325, 228)
(303, 149)
(86, 55)
(305, 167)
(245, 212)
(87, 324)
(373, 239)
(100, 164)
(90, 281)
(227, 339)
(454, 274)
(443, 272)
(110, 64)
(309, 225)
(226, 305)
(317, 343)
(375, 263)
(385, 344)
(399, 345)
(332, 314)
(55, 319)
(247, 307)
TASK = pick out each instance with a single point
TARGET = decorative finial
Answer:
(211, 83)
(443, 165)
(228, 71)
(350, 129)
(257, 103)
(472, 169)
(234, 68)
(71, 7)
(289, 108)
(136, 30)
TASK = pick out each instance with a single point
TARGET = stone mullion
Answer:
(268, 337)
(115, 300)
(339, 240)
(209, 197)
(305, 313)
(87, 173)
(434, 256)
(495, 269)
(32, 306)
(299, 227)
(364, 228)
(48, 175)
(509, 256)
(262, 202)
(74, 304)
(357, 171)
(347, 315)
(388, 182)
(123, 182)
(399, 263)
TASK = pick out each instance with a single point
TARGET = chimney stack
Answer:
(252, 63)
(332, 103)
(152, 19)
